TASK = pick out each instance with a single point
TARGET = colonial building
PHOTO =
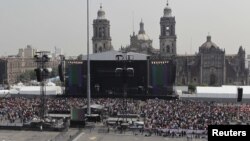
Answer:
(140, 43)
(101, 33)
(210, 66)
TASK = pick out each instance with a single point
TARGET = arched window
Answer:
(163, 49)
(95, 47)
(100, 32)
(168, 49)
(96, 31)
(100, 49)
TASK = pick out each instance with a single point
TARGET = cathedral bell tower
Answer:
(101, 33)
(167, 36)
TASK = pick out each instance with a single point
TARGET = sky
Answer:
(45, 24)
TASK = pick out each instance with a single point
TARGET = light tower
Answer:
(42, 72)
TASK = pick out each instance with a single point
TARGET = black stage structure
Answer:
(153, 77)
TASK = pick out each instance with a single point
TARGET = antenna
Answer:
(191, 44)
(133, 21)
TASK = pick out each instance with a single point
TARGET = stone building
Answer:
(140, 43)
(12, 67)
(101, 33)
(210, 66)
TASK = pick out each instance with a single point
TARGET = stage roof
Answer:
(111, 55)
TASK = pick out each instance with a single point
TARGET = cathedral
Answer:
(209, 67)
(140, 43)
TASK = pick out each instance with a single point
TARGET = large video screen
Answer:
(74, 77)
(162, 76)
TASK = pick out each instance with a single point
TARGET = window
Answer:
(100, 32)
(96, 29)
(163, 49)
(100, 49)
(95, 47)
(168, 49)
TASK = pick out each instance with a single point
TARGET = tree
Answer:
(27, 76)
(191, 88)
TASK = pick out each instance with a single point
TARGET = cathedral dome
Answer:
(167, 11)
(209, 43)
(143, 37)
(101, 13)
(142, 34)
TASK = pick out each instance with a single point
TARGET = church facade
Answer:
(210, 66)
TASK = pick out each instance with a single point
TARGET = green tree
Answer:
(27, 76)
(191, 88)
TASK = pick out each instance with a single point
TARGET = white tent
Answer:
(225, 91)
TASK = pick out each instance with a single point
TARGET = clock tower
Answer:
(167, 36)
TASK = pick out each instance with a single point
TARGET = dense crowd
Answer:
(156, 113)
(194, 115)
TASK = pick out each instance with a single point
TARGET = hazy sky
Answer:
(45, 24)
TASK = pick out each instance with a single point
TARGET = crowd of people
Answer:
(193, 115)
(156, 113)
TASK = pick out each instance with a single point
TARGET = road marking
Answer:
(77, 137)
(92, 138)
